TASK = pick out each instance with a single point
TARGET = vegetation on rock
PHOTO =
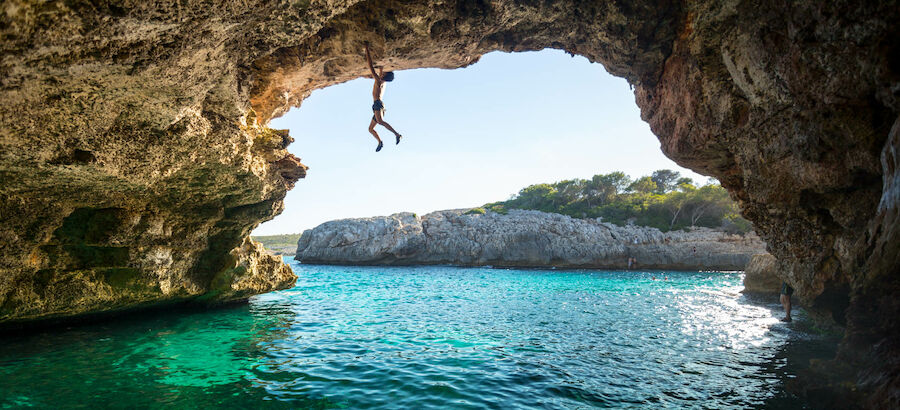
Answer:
(476, 211)
(271, 241)
(663, 200)
(279, 244)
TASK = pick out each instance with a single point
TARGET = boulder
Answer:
(760, 275)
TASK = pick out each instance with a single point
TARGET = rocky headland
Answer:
(135, 156)
(520, 238)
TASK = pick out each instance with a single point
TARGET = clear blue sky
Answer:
(471, 136)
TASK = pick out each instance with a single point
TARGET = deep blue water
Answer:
(433, 337)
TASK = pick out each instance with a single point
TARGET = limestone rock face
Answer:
(135, 158)
(760, 275)
(522, 238)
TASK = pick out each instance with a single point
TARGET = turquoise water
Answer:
(432, 337)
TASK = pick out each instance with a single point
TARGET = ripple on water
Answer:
(432, 337)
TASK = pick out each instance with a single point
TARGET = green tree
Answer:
(685, 184)
(665, 180)
(568, 191)
(617, 180)
(674, 204)
(709, 201)
(643, 185)
(538, 197)
(603, 188)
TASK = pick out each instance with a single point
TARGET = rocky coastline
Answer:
(521, 239)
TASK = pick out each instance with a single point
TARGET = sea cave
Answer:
(136, 155)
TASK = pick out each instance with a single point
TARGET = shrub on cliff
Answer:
(663, 200)
(497, 207)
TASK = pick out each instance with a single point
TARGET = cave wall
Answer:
(135, 157)
(132, 167)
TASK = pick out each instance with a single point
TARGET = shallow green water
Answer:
(432, 337)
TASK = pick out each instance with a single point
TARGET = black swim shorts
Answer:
(377, 105)
(786, 289)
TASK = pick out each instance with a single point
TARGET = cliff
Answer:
(135, 157)
(521, 238)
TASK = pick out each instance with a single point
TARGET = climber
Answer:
(378, 107)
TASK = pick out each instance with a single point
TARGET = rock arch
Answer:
(136, 159)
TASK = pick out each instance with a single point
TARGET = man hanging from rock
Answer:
(378, 107)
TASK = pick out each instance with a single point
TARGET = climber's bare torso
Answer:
(378, 88)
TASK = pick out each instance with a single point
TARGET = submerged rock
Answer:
(521, 238)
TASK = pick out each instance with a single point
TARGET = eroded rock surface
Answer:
(521, 238)
(760, 275)
(146, 123)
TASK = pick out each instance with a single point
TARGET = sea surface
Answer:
(433, 337)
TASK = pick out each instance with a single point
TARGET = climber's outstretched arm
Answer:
(371, 66)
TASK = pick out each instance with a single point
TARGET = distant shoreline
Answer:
(521, 239)
(279, 245)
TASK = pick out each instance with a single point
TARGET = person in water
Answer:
(378, 106)
(786, 292)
